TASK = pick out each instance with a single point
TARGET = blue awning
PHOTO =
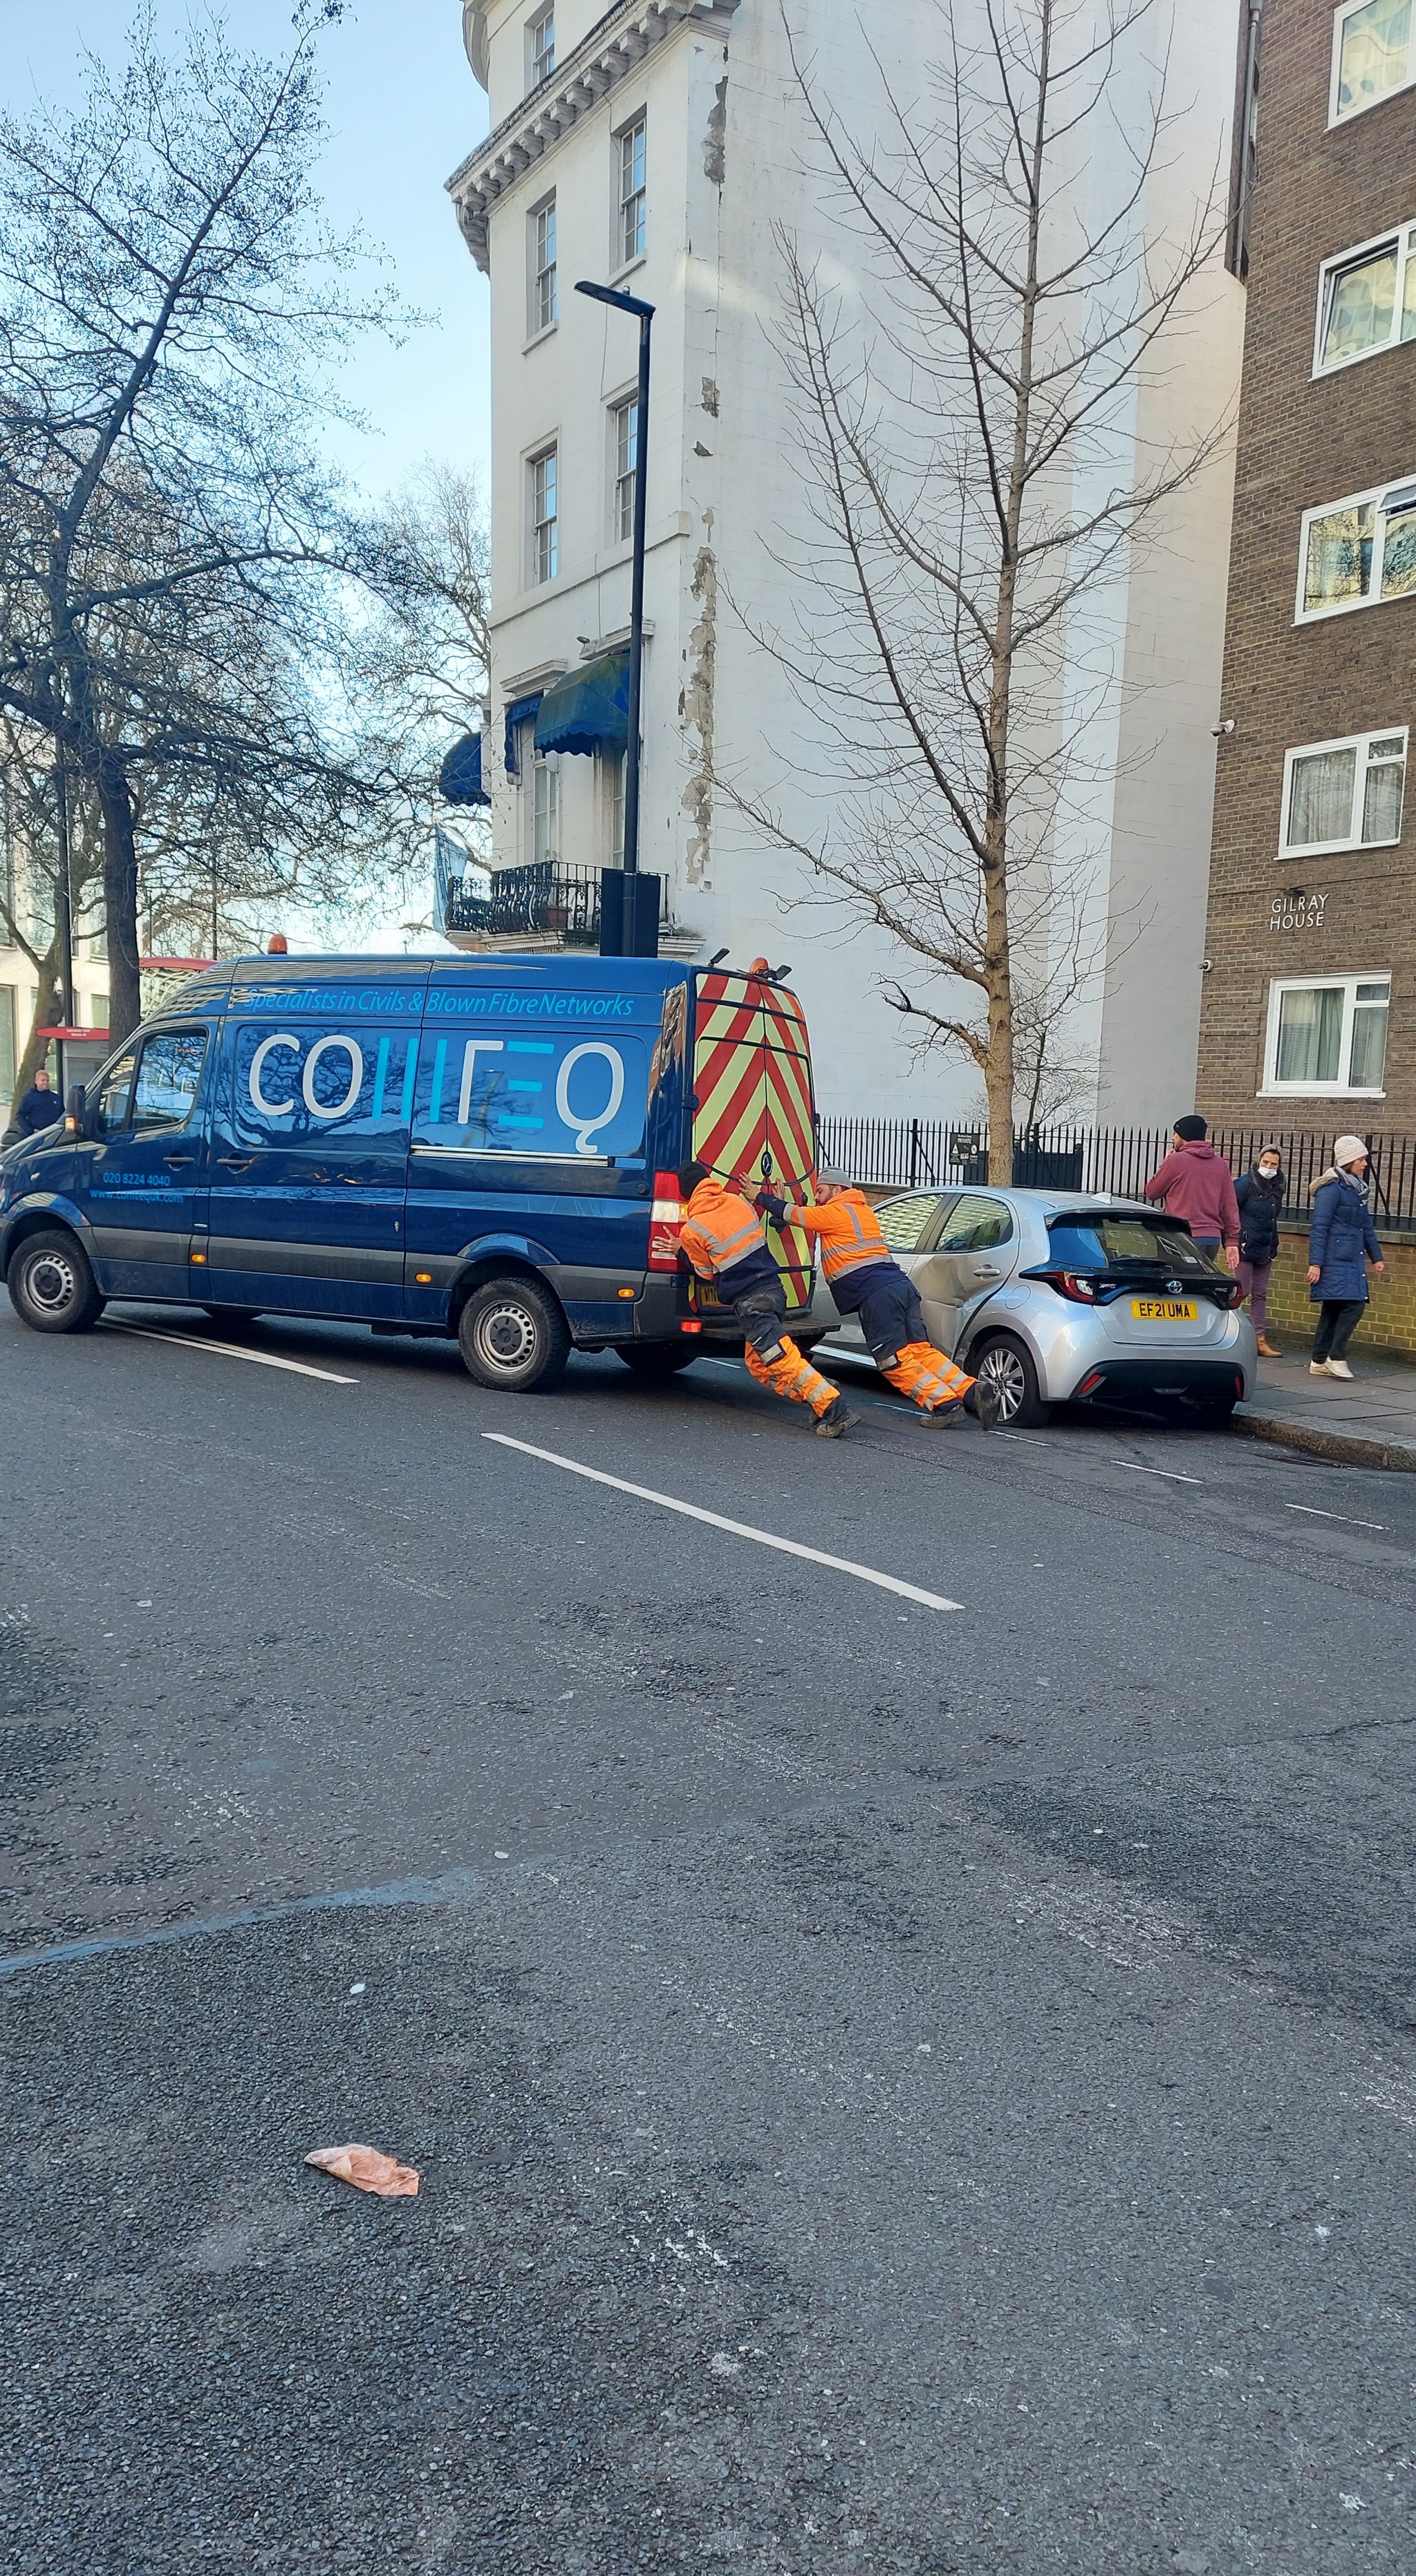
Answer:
(520, 712)
(588, 710)
(460, 777)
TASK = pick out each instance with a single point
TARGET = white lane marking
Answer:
(735, 1529)
(229, 1351)
(1168, 1473)
(1314, 1514)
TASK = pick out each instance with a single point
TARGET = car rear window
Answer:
(1101, 1242)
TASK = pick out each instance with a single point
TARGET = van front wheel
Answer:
(52, 1288)
(513, 1336)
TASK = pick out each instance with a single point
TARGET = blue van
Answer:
(475, 1147)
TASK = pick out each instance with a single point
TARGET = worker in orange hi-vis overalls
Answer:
(865, 1279)
(725, 1243)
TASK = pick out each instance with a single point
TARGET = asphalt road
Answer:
(911, 2089)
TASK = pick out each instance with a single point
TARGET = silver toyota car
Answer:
(1063, 1297)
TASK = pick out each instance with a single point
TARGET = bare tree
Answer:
(175, 559)
(974, 490)
(422, 660)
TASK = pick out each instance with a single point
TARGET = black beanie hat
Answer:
(1192, 1129)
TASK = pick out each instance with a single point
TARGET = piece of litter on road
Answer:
(367, 2170)
(359, 1989)
(501, 1855)
(144, 1605)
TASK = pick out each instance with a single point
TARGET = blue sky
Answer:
(403, 110)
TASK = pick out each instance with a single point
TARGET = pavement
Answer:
(1369, 1423)
(910, 2082)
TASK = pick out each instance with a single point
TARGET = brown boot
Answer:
(1268, 1350)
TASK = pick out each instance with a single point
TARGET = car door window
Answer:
(116, 1094)
(169, 1074)
(976, 1225)
(905, 1222)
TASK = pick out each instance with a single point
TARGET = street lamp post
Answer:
(644, 314)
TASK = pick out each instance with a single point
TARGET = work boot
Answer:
(949, 1411)
(1266, 1349)
(988, 1404)
(837, 1418)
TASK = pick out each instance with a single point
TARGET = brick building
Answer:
(1309, 1008)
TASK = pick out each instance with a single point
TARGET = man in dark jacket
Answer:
(1260, 1195)
(1342, 1233)
(39, 1107)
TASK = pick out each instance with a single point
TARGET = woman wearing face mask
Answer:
(1260, 1196)
(1342, 1233)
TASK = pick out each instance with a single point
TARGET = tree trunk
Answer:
(48, 1013)
(120, 899)
(998, 1081)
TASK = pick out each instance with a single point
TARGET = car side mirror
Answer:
(74, 1109)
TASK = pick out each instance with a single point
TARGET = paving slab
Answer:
(1369, 1422)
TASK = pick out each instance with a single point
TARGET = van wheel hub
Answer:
(506, 1335)
(52, 1283)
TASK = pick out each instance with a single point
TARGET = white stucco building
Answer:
(656, 144)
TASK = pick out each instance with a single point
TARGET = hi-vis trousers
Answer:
(892, 1320)
(772, 1356)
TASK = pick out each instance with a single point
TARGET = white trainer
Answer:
(1338, 1368)
(1317, 1368)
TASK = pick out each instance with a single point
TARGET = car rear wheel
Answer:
(513, 1336)
(656, 1359)
(52, 1288)
(1008, 1365)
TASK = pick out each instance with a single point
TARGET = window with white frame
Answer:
(1356, 552)
(624, 436)
(1344, 795)
(1366, 301)
(540, 48)
(613, 765)
(545, 810)
(630, 145)
(1372, 54)
(1327, 1033)
(541, 302)
(542, 480)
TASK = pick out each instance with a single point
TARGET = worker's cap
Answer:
(833, 1177)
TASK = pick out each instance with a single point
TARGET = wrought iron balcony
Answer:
(554, 904)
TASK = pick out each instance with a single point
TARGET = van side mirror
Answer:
(74, 1109)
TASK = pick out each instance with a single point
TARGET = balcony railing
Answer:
(555, 902)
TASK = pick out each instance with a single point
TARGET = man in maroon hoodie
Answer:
(1195, 1182)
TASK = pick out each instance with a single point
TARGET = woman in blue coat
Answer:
(1343, 1239)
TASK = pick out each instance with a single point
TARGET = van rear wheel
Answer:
(513, 1336)
(52, 1288)
(656, 1359)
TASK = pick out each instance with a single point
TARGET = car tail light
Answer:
(1230, 1294)
(666, 1222)
(1076, 1284)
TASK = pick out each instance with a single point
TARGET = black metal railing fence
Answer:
(916, 1153)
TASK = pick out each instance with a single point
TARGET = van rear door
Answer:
(755, 1114)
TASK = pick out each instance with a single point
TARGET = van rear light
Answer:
(666, 1222)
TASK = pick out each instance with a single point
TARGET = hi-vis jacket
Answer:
(852, 1245)
(724, 1240)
